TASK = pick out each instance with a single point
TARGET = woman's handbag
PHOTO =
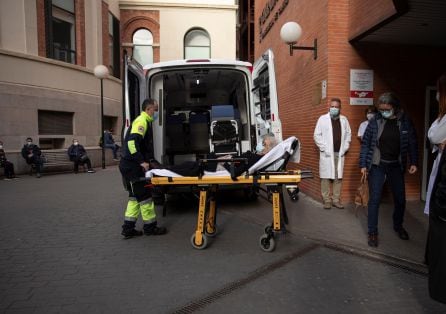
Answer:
(362, 194)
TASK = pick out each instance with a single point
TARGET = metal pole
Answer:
(102, 126)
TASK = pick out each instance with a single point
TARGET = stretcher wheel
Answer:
(268, 229)
(267, 243)
(211, 234)
(199, 247)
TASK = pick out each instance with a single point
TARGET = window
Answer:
(113, 43)
(55, 122)
(60, 30)
(143, 46)
(197, 44)
(110, 123)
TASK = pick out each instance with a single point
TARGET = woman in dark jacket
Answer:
(436, 244)
(387, 142)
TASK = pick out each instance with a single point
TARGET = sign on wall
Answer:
(361, 87)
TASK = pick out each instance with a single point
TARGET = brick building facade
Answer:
(355, 34)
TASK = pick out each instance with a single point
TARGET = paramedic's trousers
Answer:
(140, 198)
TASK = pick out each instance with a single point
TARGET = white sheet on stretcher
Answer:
(274, 154)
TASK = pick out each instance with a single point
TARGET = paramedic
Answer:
(137, 154)
(332, 136)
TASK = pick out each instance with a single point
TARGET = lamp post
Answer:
(101, 72)
(290, 34)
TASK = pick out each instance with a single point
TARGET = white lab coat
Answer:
(436, 135)
(323, 137)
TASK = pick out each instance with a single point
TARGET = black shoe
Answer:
(130, 233)
(373, 240)
(402, 233)
(152, 229)
(38, 175)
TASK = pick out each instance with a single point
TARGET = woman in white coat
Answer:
(332, 136)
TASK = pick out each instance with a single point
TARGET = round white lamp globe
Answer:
(290, 32)
(101, 71)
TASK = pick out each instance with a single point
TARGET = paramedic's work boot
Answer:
(152, 229)
(129, 231)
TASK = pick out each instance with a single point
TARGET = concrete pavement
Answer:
(61, 252)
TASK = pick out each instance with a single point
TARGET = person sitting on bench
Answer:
(109, 142)
(31, 153)
(78, 155)
(5, 163)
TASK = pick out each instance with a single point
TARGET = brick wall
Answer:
(41, 35)
(79, 25)
(406, 70)
(364, 14)
(80, 32)
(105, 35)
(132, 20)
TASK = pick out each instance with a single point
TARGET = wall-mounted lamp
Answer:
(290, 34)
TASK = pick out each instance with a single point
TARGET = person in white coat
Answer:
(332, 136)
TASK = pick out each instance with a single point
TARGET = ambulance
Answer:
(205, 105)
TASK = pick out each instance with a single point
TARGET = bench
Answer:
(54, 158)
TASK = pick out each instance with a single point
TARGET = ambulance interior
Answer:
(203, 110)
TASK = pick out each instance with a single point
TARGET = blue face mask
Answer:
(155, 115)
(387, 113)
(334, 112)
(260, 147)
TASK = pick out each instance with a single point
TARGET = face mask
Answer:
(76, 143)
(387, 113)
(334, 112)
(29, 143)
(437, 97)
(370, 116)
(155, 115)
(260, 147)
(1, 146)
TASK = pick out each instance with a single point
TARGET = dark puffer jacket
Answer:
(408, 141)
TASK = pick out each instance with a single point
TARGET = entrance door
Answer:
(431, 113)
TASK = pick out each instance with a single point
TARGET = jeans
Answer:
(393, 173)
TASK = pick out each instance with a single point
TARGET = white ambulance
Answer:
(205, 105)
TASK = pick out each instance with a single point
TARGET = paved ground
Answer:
(61, 252)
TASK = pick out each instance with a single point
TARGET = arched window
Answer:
(197, 44)
(143, 46)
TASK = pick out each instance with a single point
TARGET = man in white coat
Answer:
(332, 136)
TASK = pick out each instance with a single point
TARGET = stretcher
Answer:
(267, 176)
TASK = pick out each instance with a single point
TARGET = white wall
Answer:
(175, 22)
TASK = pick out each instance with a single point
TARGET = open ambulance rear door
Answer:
(134, 90)
(265, 108)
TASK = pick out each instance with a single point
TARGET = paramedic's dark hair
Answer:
(148, 102)
(391, 99)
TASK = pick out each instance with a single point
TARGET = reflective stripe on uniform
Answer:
(147, 211)
(132, 147)
(132, 210)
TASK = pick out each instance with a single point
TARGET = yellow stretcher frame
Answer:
(208, 186)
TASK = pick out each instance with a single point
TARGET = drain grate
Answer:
(411, 267)
(233, 286)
